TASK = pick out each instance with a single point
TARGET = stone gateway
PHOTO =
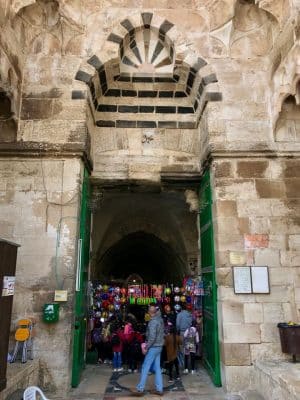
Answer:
(159, 138)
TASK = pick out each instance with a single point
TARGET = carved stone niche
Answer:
(288, 124)
(8, 126)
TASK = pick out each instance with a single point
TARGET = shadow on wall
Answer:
(8, 126)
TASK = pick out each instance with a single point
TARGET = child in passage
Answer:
(191, 340)
(117, 347)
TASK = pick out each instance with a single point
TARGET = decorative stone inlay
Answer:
(147, 78)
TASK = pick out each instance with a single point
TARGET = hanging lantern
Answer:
(105, 288)
(189, 307)
(117, 290)
(176, 289)
(117, 307)
(167, 300)
(182, 290)
(123, 300)
(183, 299)
(111, 290)
(104, 296)
(105, 304)
(177, 307)
(177, 299)
(123, 291)
(111, 307)
(104, 314)
(188, 299)
(167, 291)
(131, 291)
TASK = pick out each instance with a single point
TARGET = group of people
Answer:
(169, 339)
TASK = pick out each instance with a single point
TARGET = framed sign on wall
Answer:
(251, 280)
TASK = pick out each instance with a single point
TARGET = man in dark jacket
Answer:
(183, 322)
(154, 344)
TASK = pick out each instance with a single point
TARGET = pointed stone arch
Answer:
(286, 80)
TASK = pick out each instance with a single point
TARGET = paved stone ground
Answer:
(98, 382)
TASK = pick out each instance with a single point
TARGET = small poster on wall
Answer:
(260, 280)
(242, 280)
(8, 288)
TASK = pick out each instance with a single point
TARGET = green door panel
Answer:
(83, 252)
(211, 353)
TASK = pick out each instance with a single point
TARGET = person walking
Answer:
(153, 348)
(172, 343)
(183, 322)
(191, 341)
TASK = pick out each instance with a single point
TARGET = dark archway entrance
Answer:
(152, 234)
(145, 254)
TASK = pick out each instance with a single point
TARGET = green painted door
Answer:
(80, 323)
(211, 354)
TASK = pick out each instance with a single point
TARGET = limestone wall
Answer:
(39, 210)
(256, 218)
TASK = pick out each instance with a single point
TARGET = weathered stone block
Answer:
(294, 242)
(236, 354)
(228, 189)
(270, 257)
(253, 313)
(232, 312)
(292, 187)
(269, 332)
(292, 169)
(226, 208)
(241, 333)
(223, 169)
(224, 276)
(227, 226)
(256, 241)
(263, 351)
(252, 169)
(259, 225)
(278, 294)
(273, 312)
(290, 258)
(36, 109)
(237, 378)
(269, 189)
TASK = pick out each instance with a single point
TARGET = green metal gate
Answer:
(80, 324)
(211, 354)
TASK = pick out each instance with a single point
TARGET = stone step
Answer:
(252, 395)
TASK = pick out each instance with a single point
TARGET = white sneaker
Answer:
(120, 369)
(115, 370)
(186, 371)
(193, 372)
(130, 370)
(135, 371)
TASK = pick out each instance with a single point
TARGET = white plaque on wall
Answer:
(8, 288)
(260, 280)
(242, 280)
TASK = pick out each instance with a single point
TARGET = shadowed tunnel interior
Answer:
(144, 254)
(152, 234)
